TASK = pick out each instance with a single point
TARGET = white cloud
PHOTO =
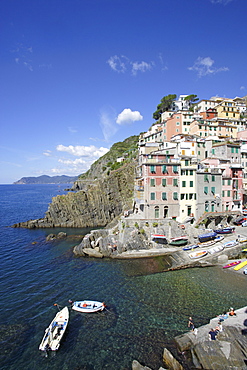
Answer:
(122, 64)
(47, 153)
(141, 67)
(22, 53)
(127, 116)
(72, 130)
(118, 64)
(108, 122)
(242, 87)
(204, 67)
(83, 151)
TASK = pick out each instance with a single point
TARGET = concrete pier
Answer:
(228, 351)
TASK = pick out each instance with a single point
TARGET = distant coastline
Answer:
(45, 179)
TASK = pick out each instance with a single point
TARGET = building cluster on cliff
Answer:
(193, 161)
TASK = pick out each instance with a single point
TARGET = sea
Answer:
(145, 307)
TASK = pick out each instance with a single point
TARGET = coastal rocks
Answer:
(170, 361)
(101, 201)
(228, 351)
(60, 235)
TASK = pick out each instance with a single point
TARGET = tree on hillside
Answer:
(192, 99)
(164, 106)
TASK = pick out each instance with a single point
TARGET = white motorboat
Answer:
(55, 331)
(88, 306)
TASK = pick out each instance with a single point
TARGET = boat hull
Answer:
(198, 254)
(231, 264)
(240, 265)
(88, 306)
(55, 331)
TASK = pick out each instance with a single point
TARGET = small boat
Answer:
(158, 236)
(242, 240)
(240, 265)
(198, 254)
(207, 244)
(206, 237)
(181, 240)
(219, 238)
(190, 247)
(231, 264)
(225, 230)
(55, 331)
(88, 306)
(230, 244)
(216, 249)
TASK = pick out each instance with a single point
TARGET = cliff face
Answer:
(99, 203)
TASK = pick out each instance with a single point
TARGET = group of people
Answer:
(213, 331)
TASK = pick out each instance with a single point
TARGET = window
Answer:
(152, 169)
(152, 182)
(228, 182)
(164, 196)
(228, 193)
(206, 178)
(205, 190)
(175, 169)
(175, 182)
(213, 151)
(186, 162)
(213, 189)
(152, 196)
(163, 182)
(191, 172)
(190, 196)
(223, 193)
(175, 196)
(191, 184)
(206, 206)
(164, 169)
(212, 207)
(156, 212)
(213, 177)
(182, 196)
(183, 184)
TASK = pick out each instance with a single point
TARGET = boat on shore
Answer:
(216, 249)
(206, 237)
(178, 242)
(231, 264)
(190, 247)
(88, 306)
(230, 244)
(225, 230)
(207, 244)
(240, 265)
(198, 254)
(55, 331)
(219, 238)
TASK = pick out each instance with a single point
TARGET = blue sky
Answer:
(80, 75)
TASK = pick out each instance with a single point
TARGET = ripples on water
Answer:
(144, 310)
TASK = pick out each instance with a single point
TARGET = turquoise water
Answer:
(145, 310)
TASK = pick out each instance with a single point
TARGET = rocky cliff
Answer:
(99, 203)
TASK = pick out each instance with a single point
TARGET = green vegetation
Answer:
(127, 150)
(164, 106)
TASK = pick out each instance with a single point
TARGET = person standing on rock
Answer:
(191, 324)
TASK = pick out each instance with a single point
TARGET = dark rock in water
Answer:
(50, 237)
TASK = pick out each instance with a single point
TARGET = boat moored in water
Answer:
(190, 247)
(206, 237)
(55, 331)
(231, 264)
(87, 306)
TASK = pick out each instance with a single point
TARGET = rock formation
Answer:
(101, 201)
